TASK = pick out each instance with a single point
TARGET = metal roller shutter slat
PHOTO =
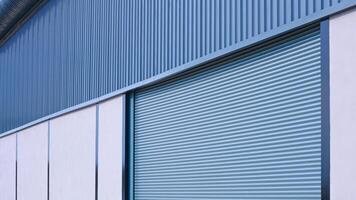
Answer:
(247, 129)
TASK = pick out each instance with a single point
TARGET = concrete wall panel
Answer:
(343, 106)
(32, 163)
(8, 167)
(110, 149)
(72, 155)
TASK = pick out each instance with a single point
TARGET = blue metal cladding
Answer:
(244, 129)
(74, 51)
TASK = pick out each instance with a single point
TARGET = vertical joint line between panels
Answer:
(96, 150)
(123, 167)
(48, 156)
(16, 165)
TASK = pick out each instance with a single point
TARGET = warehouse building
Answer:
(177, 99)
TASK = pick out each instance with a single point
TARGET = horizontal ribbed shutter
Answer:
(246, 129)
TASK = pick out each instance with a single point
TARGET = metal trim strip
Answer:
(325, 110)
(129, 147)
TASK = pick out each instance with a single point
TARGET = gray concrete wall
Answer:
(110, 149)
(69, 144)
(72, 155)
(8, 167)
(32, 151)
(343, 106)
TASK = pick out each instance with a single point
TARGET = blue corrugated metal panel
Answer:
(74, 51)
(246, 129)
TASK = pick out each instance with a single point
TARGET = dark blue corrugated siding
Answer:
(73, 51)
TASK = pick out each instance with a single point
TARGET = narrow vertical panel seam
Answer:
(272, 12)
(278, 14)
(123, 153)
(299, 9)
(285, 12)
(258, 17)
(16, 165)
(314, 6)
(325, 108)
(252, 19)
(48, 156)
(265, 16)
(292, 11)
(96, 150)
(241, 22)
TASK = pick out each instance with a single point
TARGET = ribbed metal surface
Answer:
(247, 129)
(11, 11)
(74, 51)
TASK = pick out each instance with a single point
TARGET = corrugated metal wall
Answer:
(73, 51)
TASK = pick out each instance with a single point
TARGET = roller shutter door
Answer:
(244, 129)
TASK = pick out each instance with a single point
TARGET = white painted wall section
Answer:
(110, 149)
(343, 106)
(8, 167)
(72, 155)
(32, 163)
